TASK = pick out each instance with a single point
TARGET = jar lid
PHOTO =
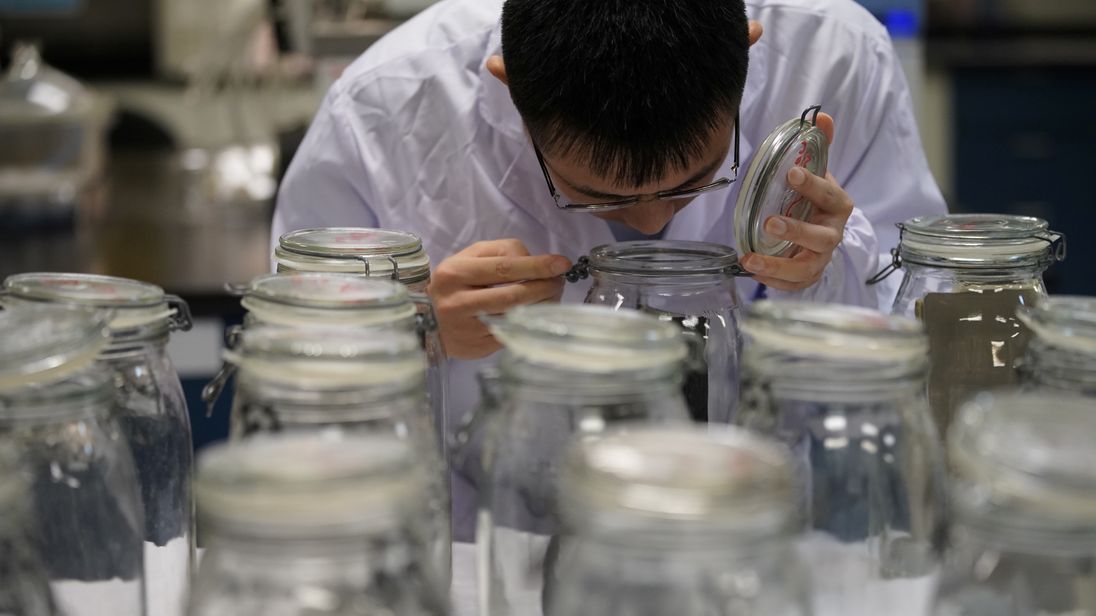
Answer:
(329, 357)
(1027, 460)
(588, 338)
(309, 485)
(302, 298)
(834, 331)
(979, 240)
(42, 344)
(372, 252)
(1067, 322)
(661, 258)
(765, 191)
(134, 303)
(679, 478)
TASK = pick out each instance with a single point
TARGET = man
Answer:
(448, 127)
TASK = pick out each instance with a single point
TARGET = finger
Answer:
(488, 271)
(817, 238)
(755, 31)
(497, 300)
(826, 125)
(806, 266)
(823, 193)
(496, 248)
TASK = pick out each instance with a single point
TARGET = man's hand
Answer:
(817, 238)
(489, 278)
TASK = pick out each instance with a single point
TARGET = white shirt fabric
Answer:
(416, 135)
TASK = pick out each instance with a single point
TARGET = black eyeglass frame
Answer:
(665, 195)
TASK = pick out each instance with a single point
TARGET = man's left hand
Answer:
(817, 237)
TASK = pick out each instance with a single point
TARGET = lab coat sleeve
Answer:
(327, 184)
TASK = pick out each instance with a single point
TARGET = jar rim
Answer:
(1063, 321)
(669, 258)
(47, 342)
(328, 290)
(979, 241)
(372, 252)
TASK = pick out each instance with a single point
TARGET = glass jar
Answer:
(565, 371)
(337, 380)
(691, 284)
(370, 252)
(685, 521)
(150, 408)
(1061, 354)
(56, 412)
(346, 300)
(1024, 508)
(24, 585)
(965, 277)
(845, 388)
(314, 524)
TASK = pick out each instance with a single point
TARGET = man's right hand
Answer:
(489, 278)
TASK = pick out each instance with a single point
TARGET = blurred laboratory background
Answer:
(169, 123)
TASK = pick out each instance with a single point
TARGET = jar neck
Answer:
(137, 341)
(697, 546)
(656, 280)
(1009, 535)
(828, 379)
(1024, 276)
(366, 400)
(55, 402)
(1047, 366)
(526, 380)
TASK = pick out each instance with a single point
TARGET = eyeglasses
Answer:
(666, 195)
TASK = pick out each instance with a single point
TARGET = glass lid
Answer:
(834, 330)
(329, 357)
(308, 485)
(718, 477)
(665, 257)
(974, 240)
(350, 241)
(85, 289)
(1067, 322)
(328, 290)
(44, 343)
(1027, 459)
(588, 337)
(765, 191)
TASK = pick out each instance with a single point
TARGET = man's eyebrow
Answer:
(597, 194)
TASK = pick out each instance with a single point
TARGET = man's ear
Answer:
(755, 32)
(497, 67)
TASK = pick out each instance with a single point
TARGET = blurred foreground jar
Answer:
(1024, 508)
(314, 524)
(565, 371)
(346, 300)
(149, 406)
(376, 253)
(845, 388)
(691, 284)
(338, 380)
(24, 585)
(965, 277)
(1061, 354)
(683, 521)
(85, 507)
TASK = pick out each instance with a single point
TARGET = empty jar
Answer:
(377, 253)
(965, 277)
(1024, 508)
(56, 412)
(844, 387)
(1061, 354)
(312, 525)
(690, 284)
(149, 406)
(337, 380)
(684, 521)
(566, 372)
(24, 585)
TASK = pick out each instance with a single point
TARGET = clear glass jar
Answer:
(370, 252)
(685, 521)
(1024, 508)
(56, 412)
(691, 284)
(24, 585)
(337, 380)
(314, 524)
(845, 388)
(150, 408)
(1061, 354)
(565, 371)
(965, 277)
(346, 300)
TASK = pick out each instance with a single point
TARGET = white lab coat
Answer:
(416, 135)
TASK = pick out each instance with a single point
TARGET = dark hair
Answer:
(631, 87)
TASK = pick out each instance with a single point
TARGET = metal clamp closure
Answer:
(579, 271)
(213, 389)
(180, 319)
(1057, 241)
(369, 267)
